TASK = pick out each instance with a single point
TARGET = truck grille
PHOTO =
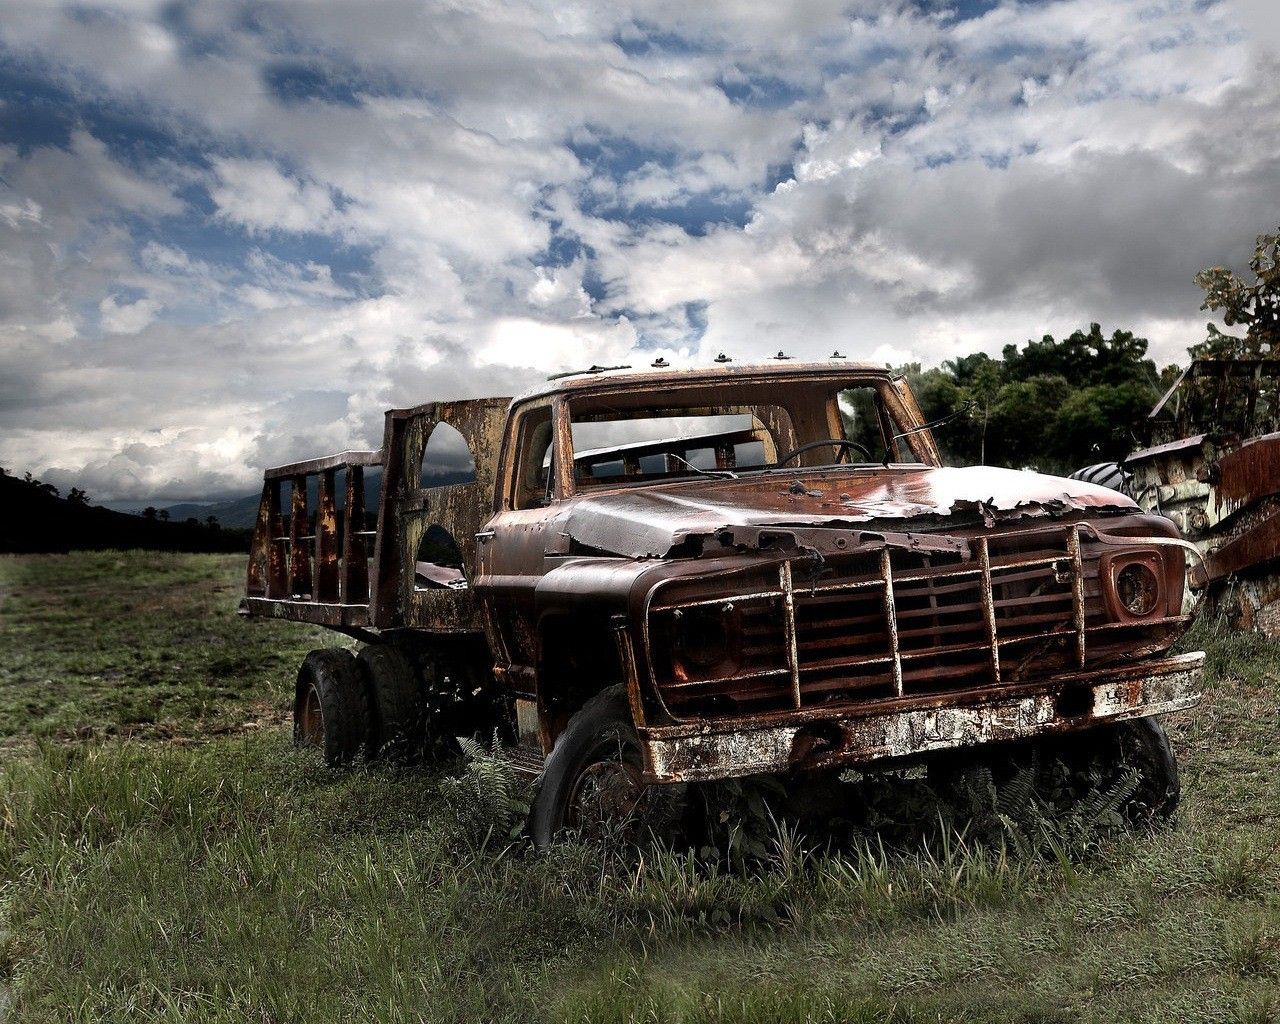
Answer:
(894, 624)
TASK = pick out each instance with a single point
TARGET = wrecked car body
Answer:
(691, 575)
(1218, 480)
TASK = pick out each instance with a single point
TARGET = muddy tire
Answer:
(1132, 757)
(331, 706)
(397, 712)
(1074, 772)
(1144, 746)
(592, 780)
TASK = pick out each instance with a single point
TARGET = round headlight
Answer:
(1138, 589)
(705, 645)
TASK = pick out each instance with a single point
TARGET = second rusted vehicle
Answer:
(1216, 474)
(674, 576)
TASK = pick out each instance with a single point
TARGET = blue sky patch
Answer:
(640, 39)
(35, 113)
(757, 90)
(291, 82)
(561, 250)
(616, 156)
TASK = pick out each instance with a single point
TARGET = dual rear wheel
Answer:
(373, 706)
(368, 706)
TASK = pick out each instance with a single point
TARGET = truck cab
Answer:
(658, 578)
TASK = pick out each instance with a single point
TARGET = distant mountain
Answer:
(35, 519)
(237, 513)
(242, 513)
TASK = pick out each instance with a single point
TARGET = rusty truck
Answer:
(642, 579)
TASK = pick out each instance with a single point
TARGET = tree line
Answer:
(1053, 404)
(1057, 405)
(76, 496)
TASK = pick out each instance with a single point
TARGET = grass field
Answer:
(164, 855)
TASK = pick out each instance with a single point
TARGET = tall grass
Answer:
(235, 880)
(238, 881)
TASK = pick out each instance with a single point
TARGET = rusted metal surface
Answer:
(1245, 474)
(339, 461)
(652, 522)
(326, 532)
(679, 754)
(354, 571)
(758, 617)
(409, 509)
(1077, 595)
(332, 569)
(1221, 484)
(789, 630)
(988, 607)
(869, 629)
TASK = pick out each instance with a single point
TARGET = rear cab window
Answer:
(670, 443)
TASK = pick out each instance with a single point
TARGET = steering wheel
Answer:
(838, 442)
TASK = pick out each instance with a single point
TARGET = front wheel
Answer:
(1125, 767)
(1143, 746)
(593, 780)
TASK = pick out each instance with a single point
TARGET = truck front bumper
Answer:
(819, 738)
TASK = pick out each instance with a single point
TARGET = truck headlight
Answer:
(708, 642)
(1138, 589)
(1135, 584)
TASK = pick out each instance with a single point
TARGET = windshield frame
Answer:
(899, 416)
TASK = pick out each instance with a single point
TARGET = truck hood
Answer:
(655, 520)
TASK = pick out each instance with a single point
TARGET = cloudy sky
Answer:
(232, 234)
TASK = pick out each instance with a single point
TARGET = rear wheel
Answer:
(593, 780)
(330, 706)
(397, 712)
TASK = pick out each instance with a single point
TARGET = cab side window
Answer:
(863, 416)
(532, 484)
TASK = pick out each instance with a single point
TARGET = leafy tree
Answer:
(1084, 358)
(38, 485)
(1051, 405)
(1228, 402)
(164, 515)
(1102, 423)
(149, 512)
(1018, 425)
(77, 496)
(1255, 307)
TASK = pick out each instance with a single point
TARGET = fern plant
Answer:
(488, 796)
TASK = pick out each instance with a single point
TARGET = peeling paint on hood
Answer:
(651, 521)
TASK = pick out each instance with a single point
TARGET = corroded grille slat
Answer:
(897, 623)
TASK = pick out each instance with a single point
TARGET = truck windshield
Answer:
(626, 439)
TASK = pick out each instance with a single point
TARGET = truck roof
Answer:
(626, 378)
